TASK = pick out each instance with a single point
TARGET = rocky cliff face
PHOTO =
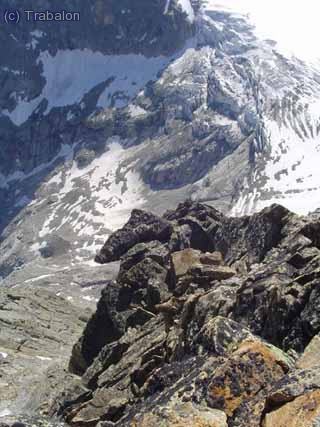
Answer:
(144, 105)
(212, 321)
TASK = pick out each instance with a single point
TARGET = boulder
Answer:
(300, 259)
(302, 411)
(182, 415)
(311, 356)
(180, 238)
(252, 367)
(201, 212)
(250, 238)
(184, 260)
(141, 227)
(138, 276)
(154, 250)
(106, 325)
(295, 384)
(220, 336)
(279, 307)
(295, 401)
(214, 258)
(218, 301)
(118, 373)
(199, 239)
(210, 273)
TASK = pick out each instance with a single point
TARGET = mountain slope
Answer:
(124, 117)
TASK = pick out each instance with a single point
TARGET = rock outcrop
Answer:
(212, 322)
(37, 328)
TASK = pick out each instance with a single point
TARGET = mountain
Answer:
(144, 106)
(137, 108)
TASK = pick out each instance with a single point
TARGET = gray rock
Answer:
(141, 227)
(36, 334)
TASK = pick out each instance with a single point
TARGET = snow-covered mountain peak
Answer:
(294, 26)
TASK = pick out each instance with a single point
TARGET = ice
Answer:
(70, 74)
(291, 174)
(56, 179)
(23, 110)
(70, 115)
(35, 36)
(132, 73)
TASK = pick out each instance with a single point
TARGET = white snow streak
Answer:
(291, 175)
(108, 193)
(187, 8)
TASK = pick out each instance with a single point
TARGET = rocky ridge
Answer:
(213, 321)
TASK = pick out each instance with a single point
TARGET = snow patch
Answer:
(187, 8)
(291, 173)
(89, 298)
(93, 201)
(44, 358)
(166, 8)
(36, 279)
(35, 36)
(23, 110)
(136, 110)
(108, 193)
(70, 74)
